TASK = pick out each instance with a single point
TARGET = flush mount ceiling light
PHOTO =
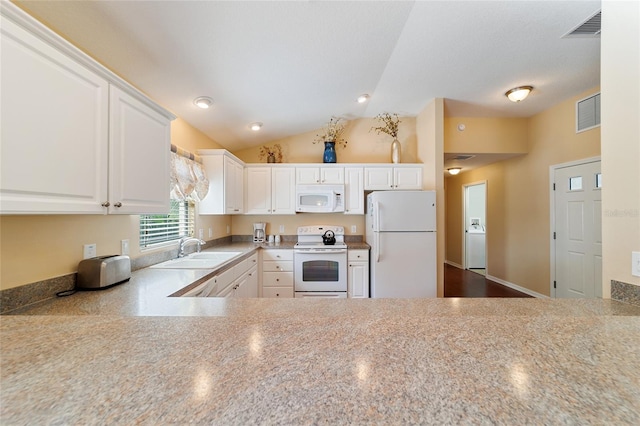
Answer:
(255, 126)
(203, 102)
(518, 94)
(363, 98)
(454, 170)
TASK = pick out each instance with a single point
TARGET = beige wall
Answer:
(243, 224)
(430, 133)
(364, 146)
(38, 247)
(518, 219)
(492, 135)
(620, 80)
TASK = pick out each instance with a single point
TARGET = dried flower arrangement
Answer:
(332, 132)
(389, 124)
(269, 152)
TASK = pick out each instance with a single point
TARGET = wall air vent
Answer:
(462, 157)
(588, 113)
(588, 29)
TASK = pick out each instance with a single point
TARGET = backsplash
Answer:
(627, 293)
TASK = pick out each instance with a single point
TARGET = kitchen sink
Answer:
(205, 260)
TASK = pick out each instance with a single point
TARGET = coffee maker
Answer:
(259, 232)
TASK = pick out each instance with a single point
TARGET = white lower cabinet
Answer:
(277, 273)
(358, 273)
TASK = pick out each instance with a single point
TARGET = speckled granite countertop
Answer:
(131, 355)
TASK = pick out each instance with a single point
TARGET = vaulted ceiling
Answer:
(293, 64)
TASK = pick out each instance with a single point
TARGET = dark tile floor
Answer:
(461, 283)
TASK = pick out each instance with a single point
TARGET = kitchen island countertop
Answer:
(153, 359)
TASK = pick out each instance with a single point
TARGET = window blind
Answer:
(161, 228)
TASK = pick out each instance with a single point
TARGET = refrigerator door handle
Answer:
(377, 230)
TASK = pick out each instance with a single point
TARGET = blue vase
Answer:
(329, 152)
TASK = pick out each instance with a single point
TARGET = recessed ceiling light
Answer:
(255, 126)
(518, 94)
(203, 102)
(363, 98)
(454, 170)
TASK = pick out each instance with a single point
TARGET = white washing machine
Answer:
(476, 247)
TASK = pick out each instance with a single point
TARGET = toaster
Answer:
(103, 271)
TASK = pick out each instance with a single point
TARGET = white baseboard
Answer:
(517, 287)
(454, 264)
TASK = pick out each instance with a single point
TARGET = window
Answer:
(162, 228)
(575, 183)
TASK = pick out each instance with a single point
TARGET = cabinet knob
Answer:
(106, 204)
(277, 294)
(118, 204)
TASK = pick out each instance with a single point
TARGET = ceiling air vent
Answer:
(462, 157)
(588, 113)
(587, 29)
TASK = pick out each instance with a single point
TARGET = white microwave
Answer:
(319, 198)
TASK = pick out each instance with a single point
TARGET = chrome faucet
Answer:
(185, 241)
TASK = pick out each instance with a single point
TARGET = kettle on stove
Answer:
(329, 238)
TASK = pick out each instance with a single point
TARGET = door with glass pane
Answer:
(578, 231)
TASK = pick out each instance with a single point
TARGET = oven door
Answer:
(320, 270)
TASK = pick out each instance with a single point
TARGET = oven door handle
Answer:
(312, 251)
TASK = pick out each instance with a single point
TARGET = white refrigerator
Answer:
(401, 230)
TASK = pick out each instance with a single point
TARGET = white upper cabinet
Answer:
(312, 175)
(354, 189)
(393, 177)
(139, 148)
(270, 190)
(64, 149)
(226, 182)
(55, 129)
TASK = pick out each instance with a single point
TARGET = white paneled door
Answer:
(578, 231)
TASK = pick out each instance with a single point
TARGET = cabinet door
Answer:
(258, 190)
(233, 186)
(332, 175)
(283, 187)
(251, 286)
(378, 178)
(354, 188)
(407, 177)
(54, 136)
(307, 175)
(139, 150)
(358, 279)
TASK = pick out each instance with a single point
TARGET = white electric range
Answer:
(320, 262)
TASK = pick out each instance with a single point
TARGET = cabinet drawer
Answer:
(277, 255)
(277, 279)
(358, 255)
(277, 266)
(252, 260)
(278, 292)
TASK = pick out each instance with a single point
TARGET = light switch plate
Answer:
(281, 229)
(124, 247)
(210, 232)
(635, 263)
(201, 233)
(89, 251)
(354, 229)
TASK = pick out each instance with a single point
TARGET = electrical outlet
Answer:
(124, 247)
(90, 251)
(228, 229)
(281, 229)
(210, 232)
(354, 229)
(201, 233)
(635, 263)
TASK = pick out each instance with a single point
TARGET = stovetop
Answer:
(310, 237)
